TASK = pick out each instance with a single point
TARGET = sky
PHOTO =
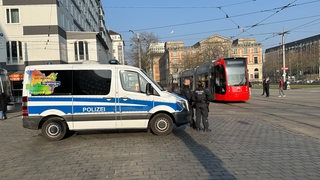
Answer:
(194, 20)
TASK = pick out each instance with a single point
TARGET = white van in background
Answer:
(58, 98)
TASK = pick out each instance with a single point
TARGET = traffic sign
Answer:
(284, 68)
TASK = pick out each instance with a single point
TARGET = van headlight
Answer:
(183, 104)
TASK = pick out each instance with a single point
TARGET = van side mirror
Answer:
(149, 89)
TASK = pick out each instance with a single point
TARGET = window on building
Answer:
(75, 52)
(12, 15)
(81, 51)
(256, 60)
(14, 52)
(256, 73)
(86, 48)
(175, 53)
(255, 50)
(235, 51)
(245, 50)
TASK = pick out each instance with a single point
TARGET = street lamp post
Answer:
(283, 58)
(139, 47)
(283, 55)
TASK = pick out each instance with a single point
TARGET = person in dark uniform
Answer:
(201, 98)
(267, 86)
(187, 94)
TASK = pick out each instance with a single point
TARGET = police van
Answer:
(58, 98)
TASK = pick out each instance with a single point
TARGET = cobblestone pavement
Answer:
(259, 139)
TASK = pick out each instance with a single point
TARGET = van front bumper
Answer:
(181, 117)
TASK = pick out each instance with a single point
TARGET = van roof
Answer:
(79, 66)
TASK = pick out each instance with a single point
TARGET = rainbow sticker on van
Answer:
(42, 84)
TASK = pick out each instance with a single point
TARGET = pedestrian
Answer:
(267, 86)
(281, 93)
(250, 86)
(202, 97)
(187, 94)
(263, 86)
(3, 106)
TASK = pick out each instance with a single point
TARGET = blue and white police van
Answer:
(58, 98)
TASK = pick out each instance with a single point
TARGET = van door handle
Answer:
(109, 98)
(124, 98)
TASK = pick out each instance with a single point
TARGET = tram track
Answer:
(298, 116)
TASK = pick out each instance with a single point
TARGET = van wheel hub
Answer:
(162, 124)
(54, 130)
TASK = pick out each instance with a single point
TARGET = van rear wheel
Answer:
(161, 124)
(54, 129)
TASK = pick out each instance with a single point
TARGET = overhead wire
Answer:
(222, 18)
(268, 17)
(177, 7)
(233, 28)
(229, 17)
(292, 29)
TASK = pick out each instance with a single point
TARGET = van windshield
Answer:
(154, 82)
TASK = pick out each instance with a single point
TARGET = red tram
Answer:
(227, 79)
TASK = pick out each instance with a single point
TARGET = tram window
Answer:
(220, 80)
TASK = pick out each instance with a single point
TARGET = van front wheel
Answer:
(161, 124)
(54, 129)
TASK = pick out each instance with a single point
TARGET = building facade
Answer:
(117, 46)
(52, 32)
(156, 50)
(178, 57)
(302, 60)
(248, 48)
(213, 47)
(171, 63)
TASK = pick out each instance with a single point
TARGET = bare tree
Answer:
(142, 41)
(213, 50)
(189, 60)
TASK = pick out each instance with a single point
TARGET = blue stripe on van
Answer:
(127, 105)
(174, 106)
(41, 109)
(93, 109)
(87, 99)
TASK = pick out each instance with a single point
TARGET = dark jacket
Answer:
(186, 93)
(3, 102)
(201, 95)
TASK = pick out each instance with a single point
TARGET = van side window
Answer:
(133, 82)
(63, 82)
(91, 82)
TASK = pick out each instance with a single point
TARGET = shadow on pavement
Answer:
(212, 164)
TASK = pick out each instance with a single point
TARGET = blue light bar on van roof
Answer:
(113, 61)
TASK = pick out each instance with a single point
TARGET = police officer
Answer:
(202, 97)
(187, 94)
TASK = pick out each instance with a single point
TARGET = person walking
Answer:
(263, 86)
(202, 97)
(187, 94)
(281, 93)
(3, 106)
(267, 86)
